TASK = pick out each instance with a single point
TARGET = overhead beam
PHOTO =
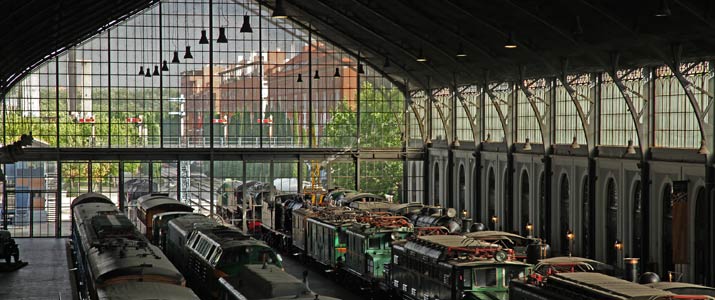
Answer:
(379, 36)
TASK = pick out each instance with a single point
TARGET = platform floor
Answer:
(46, 276)
(319, 282)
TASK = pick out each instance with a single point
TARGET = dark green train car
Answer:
(452, 267)
(326, 241)
(369, 245)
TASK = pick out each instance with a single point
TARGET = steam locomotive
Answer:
(114, 261)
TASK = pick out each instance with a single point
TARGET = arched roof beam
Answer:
(496, 102)
(552, 27)
(573, 94)
(674, 66)
(445, 29)
(505, 34)
(490, 57)
(613, 19)
(372, 32)
(618, 81)
(540, 117)
(438, 105)
(465, 105)
(315, 20)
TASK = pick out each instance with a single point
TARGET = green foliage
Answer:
(381, 121)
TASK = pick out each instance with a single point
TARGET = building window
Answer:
(492, 123)
(436, 191)
(470, 98)
(568, 123)
(527, 121)
(617, 126)
(676, 125)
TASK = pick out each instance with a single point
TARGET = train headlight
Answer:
(279, 257)
(395, 236)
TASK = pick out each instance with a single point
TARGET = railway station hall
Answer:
(357, 149)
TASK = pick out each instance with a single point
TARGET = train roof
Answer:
(130, 258)
(268, 281)
(230, 237)
(163, 202)
(454, 241)
(145, 291)
(185, 224)
(607, 285)
(361, 197)
(491, 235)
(683, 288)
(90, 198)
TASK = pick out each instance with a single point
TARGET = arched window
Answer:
(491, 195)
(544, 210)
(611, 221)
(564, 215)
(703, 236)
(524, 199)
(667, 232)
(508, 204)
(436, 191)
(462, 188)
(637, 228)
(586, 230)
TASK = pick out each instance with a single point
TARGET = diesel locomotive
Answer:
(114, 261)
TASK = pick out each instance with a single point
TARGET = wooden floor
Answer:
(46, 276)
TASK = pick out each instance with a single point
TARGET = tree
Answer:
(382, 125)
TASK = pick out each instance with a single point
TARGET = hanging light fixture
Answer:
(222, 35)
(147, 73)
(460, 50)
(317, 75)
(300, 78)
(421, 57)
(510, 44)
(246, 27)
(175, 58)
(361, 69)
(140, 25)
(279, 11)
(187, 54)
(575, 144)
(203, 40)
(663, 9)
(222, 29)
(156, 71)
(164, 67)
(337, 72)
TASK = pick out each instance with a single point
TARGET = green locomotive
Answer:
(369, 245)
(452, 267)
